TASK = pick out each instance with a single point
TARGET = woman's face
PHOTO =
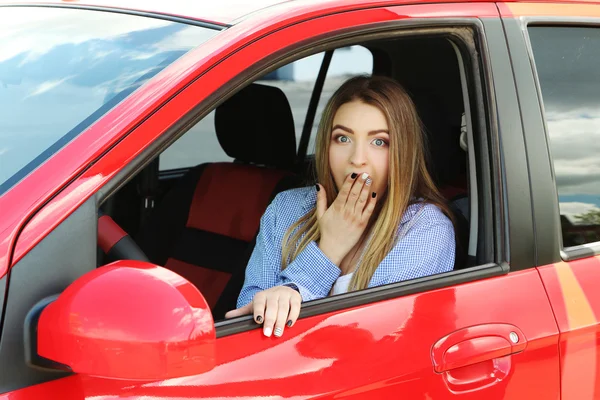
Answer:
(360, 143)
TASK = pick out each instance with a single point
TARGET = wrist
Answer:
(330, 252)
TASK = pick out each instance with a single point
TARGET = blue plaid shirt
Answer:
(425, 246)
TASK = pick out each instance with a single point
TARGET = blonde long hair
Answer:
(408, 178)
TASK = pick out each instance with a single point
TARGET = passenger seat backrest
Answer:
(224, 216)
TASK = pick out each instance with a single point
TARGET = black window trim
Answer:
(562, 253)
(486, 126)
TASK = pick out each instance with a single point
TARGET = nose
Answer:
(358, 157)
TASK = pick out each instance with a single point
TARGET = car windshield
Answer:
(61, 69)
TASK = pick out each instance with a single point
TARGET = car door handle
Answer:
(476, 344)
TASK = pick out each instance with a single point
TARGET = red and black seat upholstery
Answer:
(204, 228)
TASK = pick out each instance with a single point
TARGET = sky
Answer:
(567, 61)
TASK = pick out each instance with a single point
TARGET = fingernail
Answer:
(353, 175)
(318, 187)
(259, 319)
(368, 182)
(289, 323)
(278, 332)
(365, 175)
(267, 332)
(374, 194)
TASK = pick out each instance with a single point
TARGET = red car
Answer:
(141, 143)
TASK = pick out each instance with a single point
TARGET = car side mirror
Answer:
(128, 320)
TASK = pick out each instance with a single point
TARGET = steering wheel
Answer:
(115, 242)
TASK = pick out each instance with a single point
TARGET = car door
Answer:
(487, 331)
(560, 44)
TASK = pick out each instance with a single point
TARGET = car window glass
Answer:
(62, 69)
(198, 145)
(567, 60)
(297, 81)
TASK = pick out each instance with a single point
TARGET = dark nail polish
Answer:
(374, 194)
(353, 175)
(259, 319)
(289, 323)
(318, 187)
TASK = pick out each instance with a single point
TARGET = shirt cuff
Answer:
(312, 273)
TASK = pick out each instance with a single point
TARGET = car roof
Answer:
(229, 12)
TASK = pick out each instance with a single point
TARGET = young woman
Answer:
(374, 218)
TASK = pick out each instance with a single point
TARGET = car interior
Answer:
(201, 221)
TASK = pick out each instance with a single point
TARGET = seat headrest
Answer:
(256, 126)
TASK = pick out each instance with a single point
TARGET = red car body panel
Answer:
(362, 350)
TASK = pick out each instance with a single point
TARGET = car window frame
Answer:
(498, 243)
(549, 241)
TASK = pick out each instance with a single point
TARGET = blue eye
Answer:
(343, 139)
(379, 142)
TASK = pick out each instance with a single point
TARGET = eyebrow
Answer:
(375, 132)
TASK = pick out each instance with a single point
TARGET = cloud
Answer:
(576, 207)
(46, 86)
(574, 147)
(570, 209)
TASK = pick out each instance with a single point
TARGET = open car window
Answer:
(62, 69)
(196, 208)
